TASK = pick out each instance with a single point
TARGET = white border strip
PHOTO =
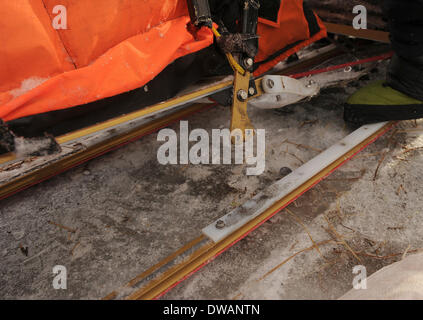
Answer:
(280, 189)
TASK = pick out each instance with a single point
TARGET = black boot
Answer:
(406, 76)
(400, 97)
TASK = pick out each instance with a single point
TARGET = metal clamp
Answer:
(280, 91)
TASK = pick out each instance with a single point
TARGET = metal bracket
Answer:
(280, 91)
(239, 116)
(245, 46)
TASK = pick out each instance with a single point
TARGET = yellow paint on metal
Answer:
(234, 64)
(239, 114)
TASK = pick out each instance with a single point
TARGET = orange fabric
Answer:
(116, 46)
(290, 28)
(109, 47)
(26, 37)
(97, 25)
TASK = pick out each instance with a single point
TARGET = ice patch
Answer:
(39, 146)
(27, 85)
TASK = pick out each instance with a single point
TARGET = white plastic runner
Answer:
(240, 216)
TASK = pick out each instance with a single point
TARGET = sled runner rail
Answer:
(160, 279)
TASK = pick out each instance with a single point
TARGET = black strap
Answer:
(269, 9)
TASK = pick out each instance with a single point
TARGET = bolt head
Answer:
(249, 62)
(242, 95)
(310, 84)
(220, 224)
(270, 83)
(252, 91)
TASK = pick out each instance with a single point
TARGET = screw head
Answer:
(310, 83)
(252, 91)
(270, 83)
(220, 224)
(242, 95)
(249, 62)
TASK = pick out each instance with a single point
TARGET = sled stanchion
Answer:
(239, 115)
(243, 66)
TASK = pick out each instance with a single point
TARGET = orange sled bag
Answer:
(65, 56)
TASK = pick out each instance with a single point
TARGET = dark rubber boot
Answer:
(379, 102)
(401, 96)
(398, 98)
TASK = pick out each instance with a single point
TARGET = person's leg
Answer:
(405, 22)
(405, 18)
(400, 97)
